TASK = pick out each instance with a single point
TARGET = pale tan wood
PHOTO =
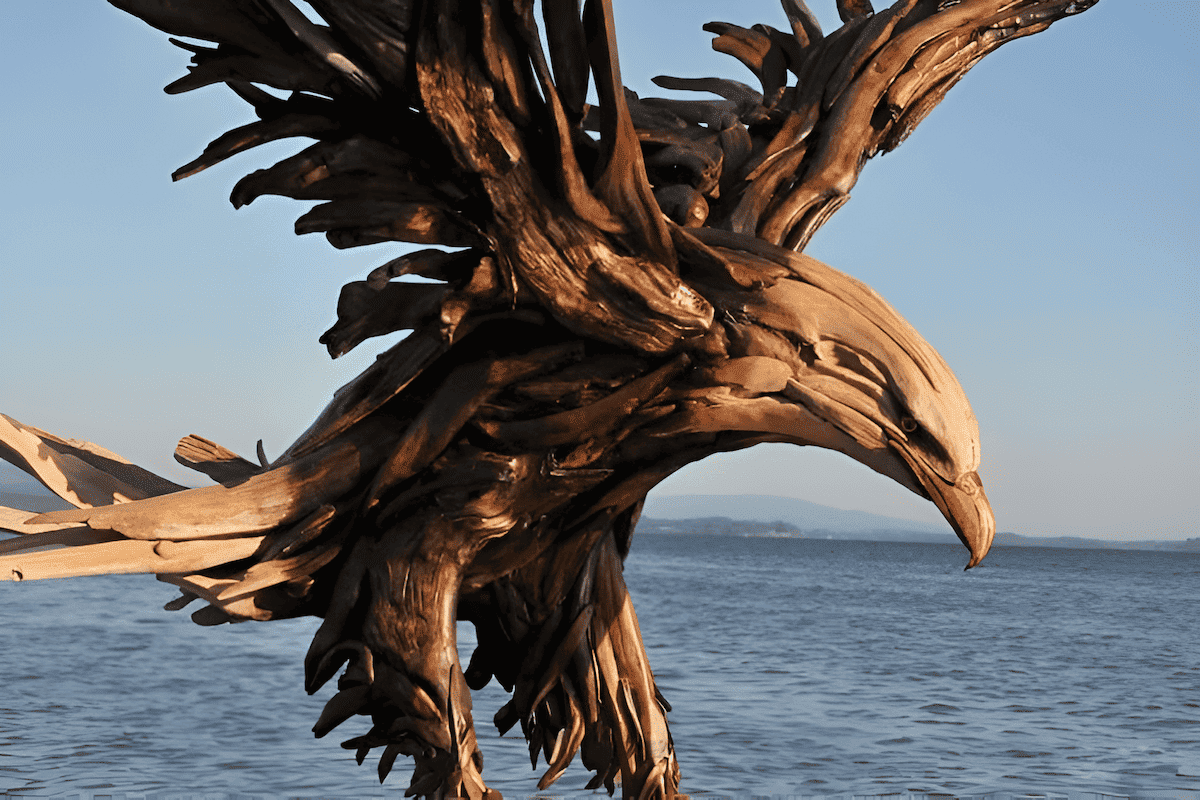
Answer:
(125, 556)
(16, 520)
(753, 373)
(81, 473)
(265, 501)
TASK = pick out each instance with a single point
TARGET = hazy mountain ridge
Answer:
(720, 526)
(815, 521)
(1017, 540)
(769, 508)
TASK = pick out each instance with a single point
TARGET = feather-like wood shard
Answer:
(364, 312)
(380, 29)
(215, 461)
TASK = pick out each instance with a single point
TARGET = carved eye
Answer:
(908, 424)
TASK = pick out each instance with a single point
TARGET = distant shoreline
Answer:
(724, 526)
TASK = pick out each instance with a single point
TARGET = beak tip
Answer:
(977, 520)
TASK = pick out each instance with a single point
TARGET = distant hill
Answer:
(720, 526)
(816, 521)
(1017, 540)
(812, 519)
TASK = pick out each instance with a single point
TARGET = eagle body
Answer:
(609, 293)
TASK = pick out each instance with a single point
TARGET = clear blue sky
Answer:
(1039, 228)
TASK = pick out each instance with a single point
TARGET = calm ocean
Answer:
(795, 667)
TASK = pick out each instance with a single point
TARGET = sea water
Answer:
(796, 667)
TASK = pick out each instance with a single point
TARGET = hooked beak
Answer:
(963, 504)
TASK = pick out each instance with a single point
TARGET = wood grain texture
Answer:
(626, 296)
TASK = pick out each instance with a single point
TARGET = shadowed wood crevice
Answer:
(623, 294)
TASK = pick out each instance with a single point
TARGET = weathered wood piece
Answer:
(82, 473)
(625, 303)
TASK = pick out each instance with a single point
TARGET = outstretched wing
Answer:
(454, 124)
(777, 159)
(441, 123)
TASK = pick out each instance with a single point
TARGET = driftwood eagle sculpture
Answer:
(620, 294)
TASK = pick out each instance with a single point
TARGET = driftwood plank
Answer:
(126, 556)
(15, 520)
(82, 473)
(265, 501)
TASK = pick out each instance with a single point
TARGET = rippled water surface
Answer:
(795, 667)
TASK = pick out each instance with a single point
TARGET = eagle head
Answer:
(815, 357)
